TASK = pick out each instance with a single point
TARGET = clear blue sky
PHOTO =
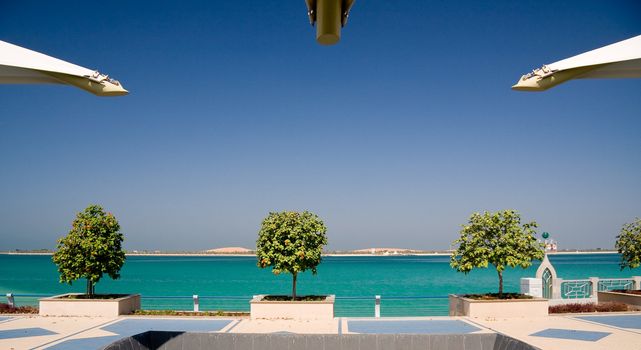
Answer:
(394, 136)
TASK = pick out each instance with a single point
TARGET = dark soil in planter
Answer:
(95, 296)
(495, 296)
(627, 291)
(298, 298)
(6, 309)
(590, 307)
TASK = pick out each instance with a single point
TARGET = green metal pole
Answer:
(328, 21)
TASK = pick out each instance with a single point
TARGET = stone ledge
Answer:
(154, 340)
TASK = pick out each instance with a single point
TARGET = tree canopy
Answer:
(92, 247)
(291, 242)
(629, 245)
(498, 239)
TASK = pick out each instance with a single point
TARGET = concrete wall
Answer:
(154, 340)
(630, 299)
(555, 302)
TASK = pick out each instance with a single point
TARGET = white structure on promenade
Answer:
(558, 291)
(618, 60)
(23, 66)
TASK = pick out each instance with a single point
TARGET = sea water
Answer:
(408, 285)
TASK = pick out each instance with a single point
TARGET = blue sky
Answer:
(394, 136)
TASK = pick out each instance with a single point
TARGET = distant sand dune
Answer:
(382, 250)
(230, 250)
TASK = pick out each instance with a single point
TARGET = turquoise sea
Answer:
(404, 282)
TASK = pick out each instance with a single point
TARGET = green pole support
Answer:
(328, 21)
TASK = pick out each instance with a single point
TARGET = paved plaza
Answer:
(585, 332)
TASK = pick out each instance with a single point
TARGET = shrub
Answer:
(6, 309)
(189, 313)
(92, 247)
(498, 239)
(291, 242)
(587, 307)
(629, 245)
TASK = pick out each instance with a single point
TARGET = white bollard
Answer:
(377, 307)
(595, 287)
(10, 300)
(196, 306)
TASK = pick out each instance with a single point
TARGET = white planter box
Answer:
(461, 306)
(626, 298)
(58, 306)
(298, 310)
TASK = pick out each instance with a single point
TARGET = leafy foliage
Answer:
(629, 245)
(92, 247)
(6, 309)
(498, 239)
(291, 242)
(189, 313)
(588, 307)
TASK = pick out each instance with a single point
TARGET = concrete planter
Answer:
(618, 297)
(462, 306)
(60, 306)
(298, 310)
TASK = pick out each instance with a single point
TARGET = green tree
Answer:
(629, 245)
(498, 239)
(291, 242)
(92, 247)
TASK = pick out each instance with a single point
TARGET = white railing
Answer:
(609, 284)
(576, 289)
(355, 306)
(587, 288)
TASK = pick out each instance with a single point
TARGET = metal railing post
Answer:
(377, 307)
(196, 306)
(10, 300)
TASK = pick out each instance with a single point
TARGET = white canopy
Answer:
(23, 66)
(618, 60)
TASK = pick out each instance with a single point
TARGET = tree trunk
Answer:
(90, 288)
(500, 283)
(294, 286)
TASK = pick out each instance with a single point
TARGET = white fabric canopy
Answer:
(23, 66)
(618, 60)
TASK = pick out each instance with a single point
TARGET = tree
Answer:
(92, 247)
(291, 242)
(629, 245)
(498, 239)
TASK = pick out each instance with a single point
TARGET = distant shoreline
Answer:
(327, 254)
